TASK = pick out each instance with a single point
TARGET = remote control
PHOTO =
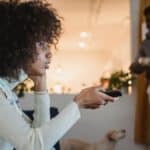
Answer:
(113, 93)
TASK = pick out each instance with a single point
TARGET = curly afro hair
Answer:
(22, 24)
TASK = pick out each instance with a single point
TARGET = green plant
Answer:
(119, 79)
(23, 87)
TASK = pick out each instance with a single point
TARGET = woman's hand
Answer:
(92, 98)
(39, 82)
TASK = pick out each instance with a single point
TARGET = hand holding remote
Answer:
(113, 93)
(92, 98)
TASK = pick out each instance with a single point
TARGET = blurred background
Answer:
(95, 43)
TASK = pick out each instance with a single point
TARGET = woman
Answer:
(27, 32)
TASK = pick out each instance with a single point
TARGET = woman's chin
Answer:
(42, 72)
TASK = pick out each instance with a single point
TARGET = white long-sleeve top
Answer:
(17, 130)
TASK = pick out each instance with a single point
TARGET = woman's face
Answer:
(42, 60)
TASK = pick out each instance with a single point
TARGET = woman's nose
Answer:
(48, 55)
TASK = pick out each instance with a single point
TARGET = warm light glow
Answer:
(57, 88)
(92, 46)
(129, 82)
(83, 34)
(59, 69)
(129, 89)
(82, 45)
(75, 70)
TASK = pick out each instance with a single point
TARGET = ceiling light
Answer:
(82, 45)
(83, 34)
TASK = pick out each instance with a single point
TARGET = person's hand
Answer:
(39, 82)
(92, 98)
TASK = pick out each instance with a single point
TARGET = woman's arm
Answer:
(13, 123)
(27, 137)
(41, 108)
(41, 100)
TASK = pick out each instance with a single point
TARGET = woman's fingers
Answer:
(104, 96)
(92, 97)
(92, 106)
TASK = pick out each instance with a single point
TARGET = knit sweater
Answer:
(17, 130)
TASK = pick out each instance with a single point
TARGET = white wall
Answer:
(95, 123)
(86, 67)
(107, 44)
